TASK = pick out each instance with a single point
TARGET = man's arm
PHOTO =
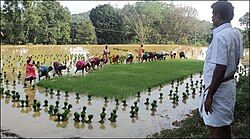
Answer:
(217, 79)
(218, 75)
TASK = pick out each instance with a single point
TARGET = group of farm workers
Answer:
(34, 70)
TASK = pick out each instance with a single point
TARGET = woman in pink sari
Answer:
(30, 70)
(81, 65)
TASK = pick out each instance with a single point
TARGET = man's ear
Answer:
(218, 16)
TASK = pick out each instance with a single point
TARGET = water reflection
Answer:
(77, 125)
(113, 124)
(102, 126)
(90, 126)
(36, 114)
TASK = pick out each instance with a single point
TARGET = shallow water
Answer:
(27, 123)
(23, 120)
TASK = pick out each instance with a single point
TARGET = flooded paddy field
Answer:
(26, 122)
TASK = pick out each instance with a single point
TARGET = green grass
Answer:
(123, 81)
(193, 127)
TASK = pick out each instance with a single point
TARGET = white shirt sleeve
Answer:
(219, 51)
(241, 48)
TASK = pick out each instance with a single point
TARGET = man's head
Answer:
(223, 12)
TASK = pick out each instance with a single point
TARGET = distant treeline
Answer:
(48, 22)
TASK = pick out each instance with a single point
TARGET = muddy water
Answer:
(27, 123)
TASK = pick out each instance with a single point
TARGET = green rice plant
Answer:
(125, 80)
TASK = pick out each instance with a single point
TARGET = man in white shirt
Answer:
(222, 59)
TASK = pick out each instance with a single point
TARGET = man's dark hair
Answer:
(224, 9)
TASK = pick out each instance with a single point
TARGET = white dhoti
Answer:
(223, 105)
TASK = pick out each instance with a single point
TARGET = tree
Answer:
(108, 24)
(54, 26)
(12, 23)
(133, 23)
(161, 23)
(35, 22)
(83, 31)
(2, 24)
(150, 22)
(183, 21)
(244, 20)
(30, 21)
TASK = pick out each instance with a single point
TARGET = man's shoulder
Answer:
(227, 33)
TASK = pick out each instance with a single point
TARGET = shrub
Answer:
(240, 127)
(170, 43)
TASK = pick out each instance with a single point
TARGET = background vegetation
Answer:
(151, 22)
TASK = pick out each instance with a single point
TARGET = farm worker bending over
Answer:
(57, 68)
(44, 71)
(173, 54)
(130, 54)
(81, 65)
(129, 58)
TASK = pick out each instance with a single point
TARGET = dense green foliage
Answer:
(83, 31)
(148, 22)
(108, 24)
(241, 125)
(35, 22)
(244, 20)
(125, 80)
(152, 22)
(193, 127)
(54, 23)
